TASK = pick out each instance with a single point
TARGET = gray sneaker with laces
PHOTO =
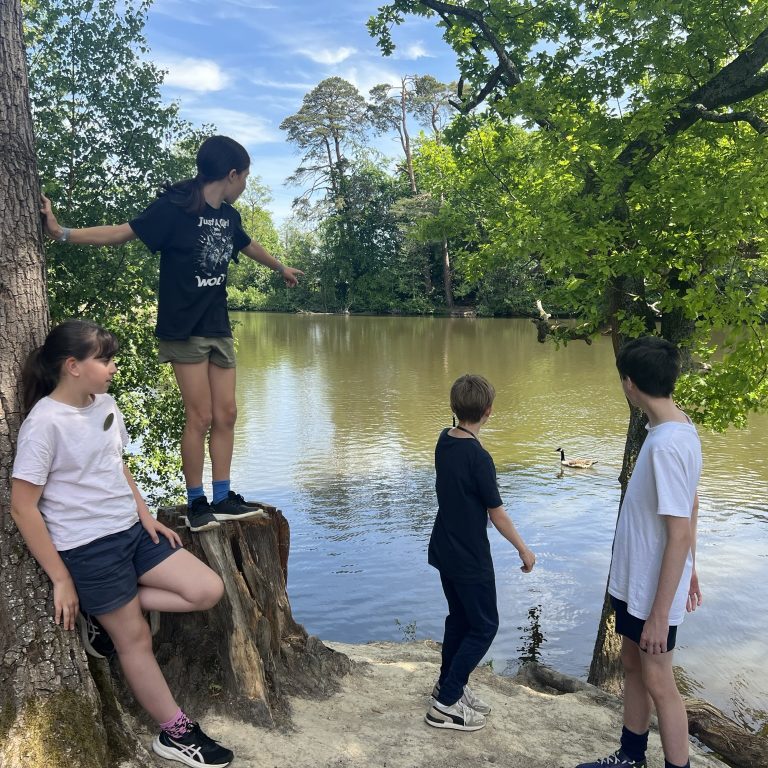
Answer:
(469, 697)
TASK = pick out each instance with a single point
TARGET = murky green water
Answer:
(338, 420)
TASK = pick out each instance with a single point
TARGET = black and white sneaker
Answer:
(96, 641)
(200, 516)
(458, 717)
(617, 758)
(194, 748)
(235, 507)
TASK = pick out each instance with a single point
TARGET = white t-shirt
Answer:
(77, 455)
(663, 483)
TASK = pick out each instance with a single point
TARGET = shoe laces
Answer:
(467, 712)
(615, 759)
(200, 736)
(469, 694)
(236, 497)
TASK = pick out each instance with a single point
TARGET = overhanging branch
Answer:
(757, 122)
(545, 326)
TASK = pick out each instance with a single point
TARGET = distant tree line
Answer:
(388, 235)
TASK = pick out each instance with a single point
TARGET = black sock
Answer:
(634, 744)
(667, 764)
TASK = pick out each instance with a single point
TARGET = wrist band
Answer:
(280, 268)
(64, 236)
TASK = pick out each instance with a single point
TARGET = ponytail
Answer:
(38, 379)
(217, 156)
(74, 338)
(187, 194)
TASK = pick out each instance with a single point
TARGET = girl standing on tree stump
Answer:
(197, 232)
(84, 520)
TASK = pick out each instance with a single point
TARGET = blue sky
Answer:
(245, 65)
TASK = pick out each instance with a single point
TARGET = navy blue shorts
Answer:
(106, 571)
(632, 627)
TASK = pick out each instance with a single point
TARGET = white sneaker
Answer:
(469, 697)
(458, 716)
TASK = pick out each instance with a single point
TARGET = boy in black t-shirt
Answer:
(467, 496)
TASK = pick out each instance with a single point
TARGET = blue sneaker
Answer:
(617, 758)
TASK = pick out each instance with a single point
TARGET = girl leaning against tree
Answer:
(82, 516)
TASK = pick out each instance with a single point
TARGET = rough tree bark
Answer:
(50, 709)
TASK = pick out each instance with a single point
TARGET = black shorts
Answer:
(106, 571)
(631, 627)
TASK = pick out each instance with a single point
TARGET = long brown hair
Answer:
(73, 338)
(217, 156)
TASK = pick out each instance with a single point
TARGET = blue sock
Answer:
(194, 493)
(220, 490)
(667, 764)
(633, 744)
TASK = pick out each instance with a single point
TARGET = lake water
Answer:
(337, 425)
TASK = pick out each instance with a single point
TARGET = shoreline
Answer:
(376, 720)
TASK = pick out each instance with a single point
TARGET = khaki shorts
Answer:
(218, 350)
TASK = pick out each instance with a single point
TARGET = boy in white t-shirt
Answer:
(653, 579)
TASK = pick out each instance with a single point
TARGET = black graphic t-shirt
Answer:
(466, 489)
(195, 251)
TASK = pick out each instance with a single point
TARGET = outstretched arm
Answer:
(106, 235)
(25, 513)
(504, 525)
(259, 253)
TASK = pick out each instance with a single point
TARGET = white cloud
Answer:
(328, 56)
(415, 51)
(202, 75)
(280, 85)
(365, 77)
(244, 127)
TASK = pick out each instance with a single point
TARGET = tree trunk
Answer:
(50, 709)
(247, 654)
(605, 670)
(447, 279)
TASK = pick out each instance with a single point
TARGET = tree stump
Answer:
(247, 654)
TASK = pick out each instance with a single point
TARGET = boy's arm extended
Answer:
(105, 235)
(504, 525)
(25, 513)
(679, 540)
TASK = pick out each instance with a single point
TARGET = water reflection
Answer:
(338, 419)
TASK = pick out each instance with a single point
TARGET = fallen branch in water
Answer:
(560, 333)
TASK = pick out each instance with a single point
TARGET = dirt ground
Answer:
(376, 720)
